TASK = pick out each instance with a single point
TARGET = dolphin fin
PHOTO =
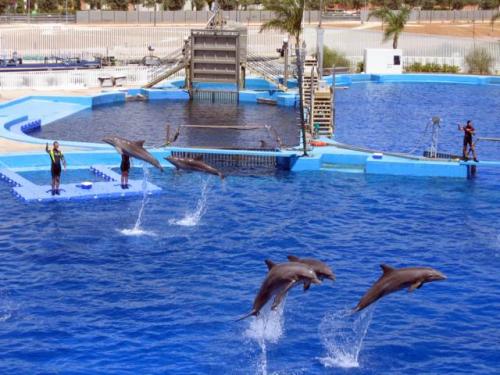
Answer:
(386, 269)
(253, 312)
(307, 285)
(270, 264)
(221, 175)
(293, 258)
(415, 285)
(198, 157)
(279, 297)
(139, 143)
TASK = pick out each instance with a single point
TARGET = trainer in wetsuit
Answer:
(56, 156)
(468, 133)
(125, 167)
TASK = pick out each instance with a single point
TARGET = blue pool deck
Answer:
(19, 117)
(27, 191)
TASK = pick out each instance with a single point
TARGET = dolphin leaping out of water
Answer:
(134, 149)
(393, 280)
(322, 269)
(194, 164)
(279, 280)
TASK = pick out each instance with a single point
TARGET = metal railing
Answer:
(38, 18)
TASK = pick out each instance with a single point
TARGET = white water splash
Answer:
(192, 219)
(342, 334)
(137, 230)
(267, 327)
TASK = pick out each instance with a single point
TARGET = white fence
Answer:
(124, 43)
(420, 47)
(73, 79)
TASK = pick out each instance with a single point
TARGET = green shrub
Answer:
(479, 61)
(418, 67)
(332, 58)
(360, 67)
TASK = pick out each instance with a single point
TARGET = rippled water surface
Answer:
(149, 121)
(84, 289)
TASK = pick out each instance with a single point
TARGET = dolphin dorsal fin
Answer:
(386, 269)
(270, 264)
(198, 157)
(139, 143)
(293, 258)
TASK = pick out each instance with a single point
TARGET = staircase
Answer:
(309, 80)
(321, 113)
(269, 69)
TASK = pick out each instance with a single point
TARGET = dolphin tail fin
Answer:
(253, 312)
(221, 175)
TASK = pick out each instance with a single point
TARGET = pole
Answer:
(66, 10)
(319, 42)
(300, 72)
(333, 99)
(29, 11)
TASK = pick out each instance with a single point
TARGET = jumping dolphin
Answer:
(279, 280)
(196, 164)
(134, 149)
(321, 269)
(393, 280)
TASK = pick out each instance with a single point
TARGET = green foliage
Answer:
(173, 4)
(4, 5)
(479, 61)
(287, 17)
(395, 22)
(20, 6)
(432, 68)
(360, 67)
(117, 4)
(489, 4)
(332, 58)
(457, 4)
(47, 6)
(428, 4)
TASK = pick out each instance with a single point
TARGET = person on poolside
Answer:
(56, 156)
(469, 131)
(125, 168)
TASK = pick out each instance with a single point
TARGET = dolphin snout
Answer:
(331, 277)
(316, 281)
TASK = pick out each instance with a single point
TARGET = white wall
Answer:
(383, 61)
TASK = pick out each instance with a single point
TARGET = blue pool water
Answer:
(80, 296)
(83, 292)
(148, 120)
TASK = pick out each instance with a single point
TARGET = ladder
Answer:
(321, 112)
(309, 80)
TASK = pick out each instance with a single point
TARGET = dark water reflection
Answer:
(149, 120)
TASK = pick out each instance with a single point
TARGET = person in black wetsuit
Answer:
(56, 156)
(125, 167)
(468, 133)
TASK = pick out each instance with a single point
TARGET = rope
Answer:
(421, 140)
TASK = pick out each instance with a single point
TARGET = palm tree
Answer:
(395, 20)
(288, 16)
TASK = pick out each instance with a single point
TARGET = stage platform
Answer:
(110, 188)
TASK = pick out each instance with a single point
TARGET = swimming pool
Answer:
(87, 287)
(78, 295)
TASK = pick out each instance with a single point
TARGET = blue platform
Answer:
(110, 188)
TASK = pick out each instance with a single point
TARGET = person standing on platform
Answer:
(56, 156)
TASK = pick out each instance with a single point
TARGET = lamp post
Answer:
(319, 42)
(300, 54)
